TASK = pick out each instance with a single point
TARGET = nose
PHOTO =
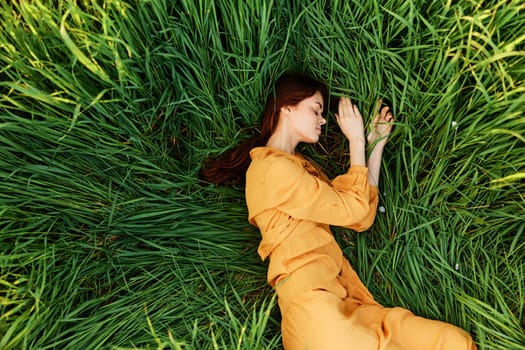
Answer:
(322, 121)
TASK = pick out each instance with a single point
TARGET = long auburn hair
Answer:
(289, 90)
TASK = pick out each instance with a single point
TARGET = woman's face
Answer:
(306, 118)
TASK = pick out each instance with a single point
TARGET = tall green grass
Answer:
(110, 241)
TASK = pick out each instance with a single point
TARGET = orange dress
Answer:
(323, 303)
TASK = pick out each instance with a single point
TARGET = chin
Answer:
(312, 140)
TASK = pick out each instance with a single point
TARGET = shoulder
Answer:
(273, 157)
(268, 162)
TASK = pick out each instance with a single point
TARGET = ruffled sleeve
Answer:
(277, 180)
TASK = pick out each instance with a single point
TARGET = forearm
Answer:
(374, 164)
(377, 138)
(357, 152)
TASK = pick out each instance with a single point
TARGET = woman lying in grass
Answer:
(324, 304)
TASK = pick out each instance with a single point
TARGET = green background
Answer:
(109, 108)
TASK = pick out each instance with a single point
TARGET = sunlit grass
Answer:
(108, 110)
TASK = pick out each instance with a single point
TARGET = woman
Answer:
(323, 303)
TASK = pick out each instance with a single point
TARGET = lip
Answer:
(318, 129)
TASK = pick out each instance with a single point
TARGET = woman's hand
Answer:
(350, 120)
(381, 126)
(351, 123)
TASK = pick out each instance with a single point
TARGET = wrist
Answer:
(357, 154)
(357, 140)
(377, 146)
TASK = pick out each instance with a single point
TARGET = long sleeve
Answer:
(368, 220)
(279, 181)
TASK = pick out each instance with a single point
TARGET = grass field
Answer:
(109, 108)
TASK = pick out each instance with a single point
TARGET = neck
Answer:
(280, 141)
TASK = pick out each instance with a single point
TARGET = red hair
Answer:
(289, 90)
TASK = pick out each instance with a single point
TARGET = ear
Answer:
(286, 110)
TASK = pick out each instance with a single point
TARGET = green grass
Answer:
(108, 109)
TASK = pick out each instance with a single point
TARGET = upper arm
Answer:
(291, 189)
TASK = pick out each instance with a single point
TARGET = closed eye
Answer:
(318, 111)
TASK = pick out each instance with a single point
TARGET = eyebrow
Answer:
(320, 104)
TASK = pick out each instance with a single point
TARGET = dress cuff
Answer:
(355, 179)
(358, 169)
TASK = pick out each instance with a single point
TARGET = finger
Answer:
(349, 108)
(384, 111)
(352, 108)
(343, 102)
(392, 116)
(357, 112)
(348, 105)
(355, 109)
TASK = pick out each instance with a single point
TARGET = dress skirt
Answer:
(324, 318)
